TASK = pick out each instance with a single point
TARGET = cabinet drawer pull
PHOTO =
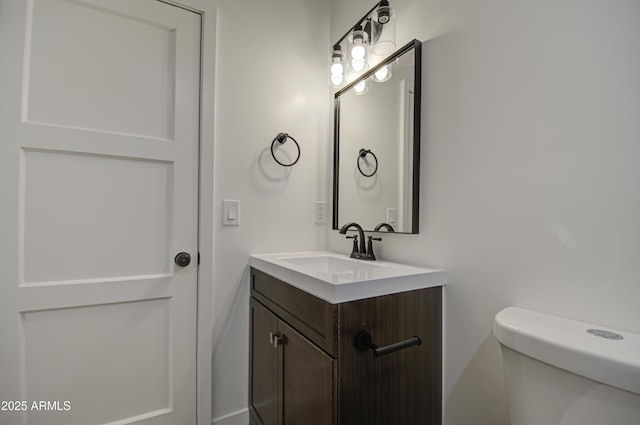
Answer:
(274, 339)
(363, 342)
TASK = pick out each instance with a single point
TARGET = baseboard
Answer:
(241, 417)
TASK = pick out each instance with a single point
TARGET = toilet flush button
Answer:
(605, 334)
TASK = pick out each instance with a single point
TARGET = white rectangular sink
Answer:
(337, 278)
(331, 264)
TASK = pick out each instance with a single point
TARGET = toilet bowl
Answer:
(560, 371)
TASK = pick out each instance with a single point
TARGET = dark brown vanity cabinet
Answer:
(305, 368)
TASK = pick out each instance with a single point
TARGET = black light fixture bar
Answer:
(359, 23)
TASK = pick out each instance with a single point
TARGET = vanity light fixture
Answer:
(375, 31)
(337, 72)
(358, 50)
(383, 27)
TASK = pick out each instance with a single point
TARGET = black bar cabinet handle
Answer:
(363, 342)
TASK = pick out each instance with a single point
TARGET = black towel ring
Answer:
(281, 138)
(363, 153)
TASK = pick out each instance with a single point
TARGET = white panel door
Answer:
(99, 128)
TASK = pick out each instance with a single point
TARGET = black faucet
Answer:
(363, 248)
(364, 252)
(370, 255)
(384, 225)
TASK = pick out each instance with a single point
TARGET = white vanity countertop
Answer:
(337, 278)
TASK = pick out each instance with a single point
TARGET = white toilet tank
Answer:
(564, 372)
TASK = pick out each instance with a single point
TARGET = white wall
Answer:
(270, 78)
(530, 178)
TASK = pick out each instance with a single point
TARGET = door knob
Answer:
(183, 259)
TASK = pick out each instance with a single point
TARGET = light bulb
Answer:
(337, 79)
(360, 87)
(358, 65)
(337, 72)
(382, 73)
(358, 42)
(358, 52)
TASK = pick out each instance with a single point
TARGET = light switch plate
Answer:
(230, 212)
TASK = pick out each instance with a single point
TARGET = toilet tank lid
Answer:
(566, 344)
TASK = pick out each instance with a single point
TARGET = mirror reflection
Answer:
(376, 152)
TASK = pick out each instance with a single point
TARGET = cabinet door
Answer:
(309, 383)
(264, 370)
(402, 387)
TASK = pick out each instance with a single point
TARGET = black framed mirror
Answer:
(376, 168)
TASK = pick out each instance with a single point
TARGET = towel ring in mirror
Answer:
(282, 138)
(363, 154)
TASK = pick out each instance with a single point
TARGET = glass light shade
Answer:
(337, 72)
(383, 74)
(383, 30)
(361, 88)
(337, 81)
(358, 51)
(358, 65)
